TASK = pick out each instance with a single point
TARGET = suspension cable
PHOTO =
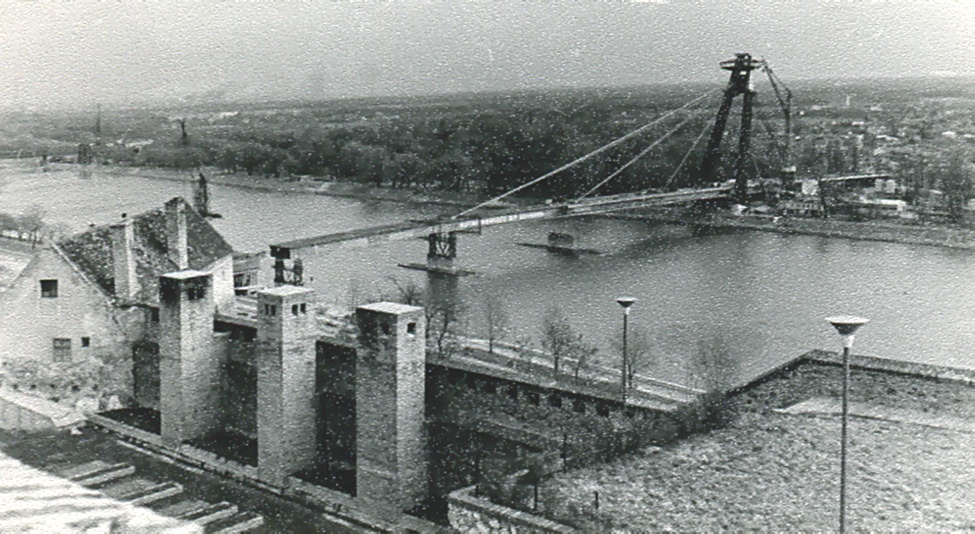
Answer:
(583, 158)
(687, 155)
(644, 152)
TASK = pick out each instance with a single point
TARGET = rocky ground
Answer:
(776, 472)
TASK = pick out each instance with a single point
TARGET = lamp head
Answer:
(846, 325)
(626, 302)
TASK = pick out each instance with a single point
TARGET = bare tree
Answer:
(638, 352)
(556, 335)
(562, 342)
(8, 223)
(408, 293)
(31, 222)
(715, 371)
(443, 321)
(496, 320)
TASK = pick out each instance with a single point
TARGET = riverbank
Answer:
(303, 186)
(941, 236)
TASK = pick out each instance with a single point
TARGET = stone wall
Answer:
(468, 513)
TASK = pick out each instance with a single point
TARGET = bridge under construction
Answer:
(441, 233)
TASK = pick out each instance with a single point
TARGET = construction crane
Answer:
(784, 96)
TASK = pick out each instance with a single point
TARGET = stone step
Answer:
(242, 522)
(123, 488)
(157, 493)
(73, 472)
(182, 508)
(105, 475)
(210, 513)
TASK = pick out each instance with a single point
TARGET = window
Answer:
(270, 309)
(86, 342)
(62, 349)
(294, 309)
(304, 308)
(154, 315)
(49, 289)
(195, 292)
(411, 328)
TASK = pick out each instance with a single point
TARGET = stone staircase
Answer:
(119, 481)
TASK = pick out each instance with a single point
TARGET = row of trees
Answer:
(29, 225)
(482, 146)
(712, 367)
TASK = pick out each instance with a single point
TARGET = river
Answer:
(759, 296)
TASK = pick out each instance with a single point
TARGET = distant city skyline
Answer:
(82, 53)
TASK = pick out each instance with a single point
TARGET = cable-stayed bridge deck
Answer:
(414, 229)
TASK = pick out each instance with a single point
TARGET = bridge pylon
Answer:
(741, 68)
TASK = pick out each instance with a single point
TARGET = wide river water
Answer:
(760, 296)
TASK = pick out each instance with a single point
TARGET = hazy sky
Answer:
(79, 53)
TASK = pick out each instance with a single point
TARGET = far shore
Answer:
(932, 235)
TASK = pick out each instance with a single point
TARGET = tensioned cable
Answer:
(687, 155)
(644, 152)
(640, 155)
(583, 158)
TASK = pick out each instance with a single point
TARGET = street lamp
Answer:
(846, 325)
(625, 302)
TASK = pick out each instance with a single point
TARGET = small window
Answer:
(387, 330)
(579, 406)
(49, 289)
(195, 292)
(154, 315)
(270, 310)
(304, 308)
(86, 342)
(533, 398)
(555, 401)
(294, 309)
(411, 328)
(602, 409)
(62, 349)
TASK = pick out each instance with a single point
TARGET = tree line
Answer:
(482, 147)
(30, 226)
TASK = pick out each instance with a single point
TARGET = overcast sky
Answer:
(79, 53)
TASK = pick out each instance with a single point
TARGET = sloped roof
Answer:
(91, 250)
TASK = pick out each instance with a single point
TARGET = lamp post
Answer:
(625, 302)
(846, 325)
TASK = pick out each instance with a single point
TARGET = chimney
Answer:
(176, 244)
(123, 259)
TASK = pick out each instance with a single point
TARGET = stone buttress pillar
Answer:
(391, 462)
(286, 397)
(189, 372)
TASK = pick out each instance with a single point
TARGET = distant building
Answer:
(93, 298)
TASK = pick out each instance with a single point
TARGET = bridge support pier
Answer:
(285, 274)
(441, 275)
(442, 249)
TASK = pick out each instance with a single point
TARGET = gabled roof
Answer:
(91, 250)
